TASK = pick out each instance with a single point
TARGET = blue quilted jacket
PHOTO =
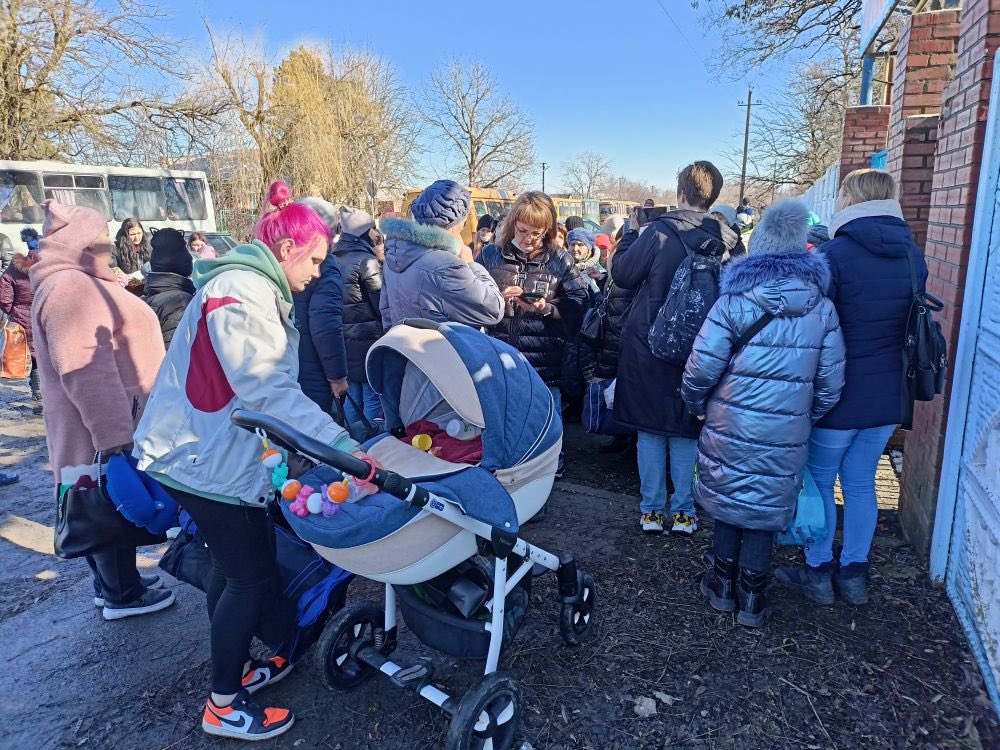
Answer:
(761, 403)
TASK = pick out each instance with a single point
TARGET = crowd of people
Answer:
(796, 366)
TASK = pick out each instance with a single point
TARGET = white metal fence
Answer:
(823, 193)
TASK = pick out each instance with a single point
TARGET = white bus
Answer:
(156, 197)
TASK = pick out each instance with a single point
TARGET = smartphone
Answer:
(648, 214)
(532, 296)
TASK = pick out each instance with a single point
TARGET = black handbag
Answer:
(88, 522)
(592, 330)
(363, 430)
(187, 558)
(925, 352)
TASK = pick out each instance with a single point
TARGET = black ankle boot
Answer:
(753, 601)
(719, 585)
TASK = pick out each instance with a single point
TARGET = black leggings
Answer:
(244, 595)
(752, 547)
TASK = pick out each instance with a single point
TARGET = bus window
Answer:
(78, 190)
(480, 208)
(137, 197)
(495, 207)
(185, 198)
(20, 197)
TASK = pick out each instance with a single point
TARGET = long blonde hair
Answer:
(534, 208)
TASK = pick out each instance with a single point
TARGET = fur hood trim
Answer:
(425, 235)
(751, 271)
(23, 262)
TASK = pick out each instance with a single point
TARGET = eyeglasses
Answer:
(528, 234)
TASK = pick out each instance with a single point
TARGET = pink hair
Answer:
(290, 221)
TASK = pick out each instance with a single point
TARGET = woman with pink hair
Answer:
(239, 351)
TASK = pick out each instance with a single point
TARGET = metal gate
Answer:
(966, 547)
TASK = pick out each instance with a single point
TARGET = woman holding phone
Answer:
(545, 296)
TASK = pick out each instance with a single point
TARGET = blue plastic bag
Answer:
(808, 526)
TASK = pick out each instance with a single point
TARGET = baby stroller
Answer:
(432, 516)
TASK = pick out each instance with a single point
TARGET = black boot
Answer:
(719, 584)
(753, 601)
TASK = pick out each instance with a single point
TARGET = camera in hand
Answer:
(537, 292)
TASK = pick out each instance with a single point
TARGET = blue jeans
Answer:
(751, 547)
(854, 455)
(652, 454)
(366, 398)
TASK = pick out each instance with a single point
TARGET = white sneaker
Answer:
(652, 522)
(684, 524)
(152, 600)
(148, 582)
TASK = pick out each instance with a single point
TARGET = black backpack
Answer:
(693, 291)
(925, 352)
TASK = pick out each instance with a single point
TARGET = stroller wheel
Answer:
(351, 628)
(577, 617)
(488, 715)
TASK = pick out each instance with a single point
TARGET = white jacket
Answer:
(235, 347)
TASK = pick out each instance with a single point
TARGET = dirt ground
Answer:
(895, 674)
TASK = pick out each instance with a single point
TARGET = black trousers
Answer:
(752, 547)
(244, 595)
(116, 578)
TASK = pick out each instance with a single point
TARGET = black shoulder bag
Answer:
(925, 352)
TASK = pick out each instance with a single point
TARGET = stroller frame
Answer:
(487, 715)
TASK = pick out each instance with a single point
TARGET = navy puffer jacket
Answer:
(362, 275)
(319, 320)
(870, 285)
(760, 405)
(617, 301)
(542, 339)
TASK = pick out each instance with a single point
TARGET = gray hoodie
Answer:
(424, 277)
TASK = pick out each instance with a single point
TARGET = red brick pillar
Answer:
(865, 132)
(961, 133)
(925, 60)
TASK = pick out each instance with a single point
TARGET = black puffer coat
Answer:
(617, 301)
(168, 294)
(362, 275)
(541, 338)
(648, 392)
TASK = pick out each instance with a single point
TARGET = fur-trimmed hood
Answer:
(788, 284)
(406, 241)
(22, 263)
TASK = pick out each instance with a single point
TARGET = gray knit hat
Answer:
(783, 228)
(355, 222)
(326, 210)
(444, 204)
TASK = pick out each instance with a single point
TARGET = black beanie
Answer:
(170, 253)
(486, 222)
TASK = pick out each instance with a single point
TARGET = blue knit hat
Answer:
(783, 228)
(444, 204)
(581, 235)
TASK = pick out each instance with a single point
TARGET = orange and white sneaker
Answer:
(264, 672)
(245, 720)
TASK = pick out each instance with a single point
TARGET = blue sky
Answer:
(619, 79)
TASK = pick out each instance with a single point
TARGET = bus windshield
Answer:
(78, 190)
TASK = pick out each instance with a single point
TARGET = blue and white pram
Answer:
(432, 515)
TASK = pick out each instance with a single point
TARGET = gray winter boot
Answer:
(813, 583)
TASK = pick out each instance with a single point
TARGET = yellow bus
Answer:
(484, 201)
(619, 208)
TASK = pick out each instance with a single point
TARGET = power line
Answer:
(680, 31)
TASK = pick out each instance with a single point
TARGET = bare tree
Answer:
(491, 138)
(71, 72)
(586, 173)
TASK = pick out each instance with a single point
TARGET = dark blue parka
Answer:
(319, 319)
(870, 286)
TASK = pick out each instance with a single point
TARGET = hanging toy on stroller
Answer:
(429, 531)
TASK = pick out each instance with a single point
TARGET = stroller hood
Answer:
(486, 382)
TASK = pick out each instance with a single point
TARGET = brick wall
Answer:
(866, 130)
(961, 133)
(925, 60)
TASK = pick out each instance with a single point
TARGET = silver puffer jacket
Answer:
(760, 405)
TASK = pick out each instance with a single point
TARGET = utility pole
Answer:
(746, 143)
(620, 181)
(544, 167)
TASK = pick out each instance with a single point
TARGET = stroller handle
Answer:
(288, 437)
